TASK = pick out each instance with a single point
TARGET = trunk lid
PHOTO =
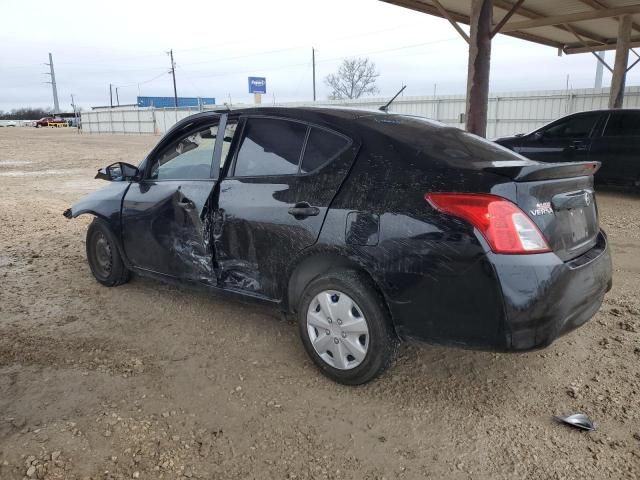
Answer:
(559, 198)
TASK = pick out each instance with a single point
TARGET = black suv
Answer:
(611, 137)
(369, 227)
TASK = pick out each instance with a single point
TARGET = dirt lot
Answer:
(153, 381)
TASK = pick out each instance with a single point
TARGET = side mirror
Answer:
(118, 172)
(538, 136)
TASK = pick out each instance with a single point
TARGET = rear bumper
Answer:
(545, 297)
(503, 302)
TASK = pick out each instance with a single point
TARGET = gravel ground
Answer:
(154, 381)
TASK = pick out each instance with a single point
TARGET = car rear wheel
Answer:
(345, 328)
(103, 255)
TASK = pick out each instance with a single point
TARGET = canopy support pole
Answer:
(479, 66)
(616, 96)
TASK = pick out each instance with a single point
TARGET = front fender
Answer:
(105, 203)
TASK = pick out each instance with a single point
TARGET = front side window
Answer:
(623, 124)
(574, 127)
(189, 158)
(322, 147)
(270, 146)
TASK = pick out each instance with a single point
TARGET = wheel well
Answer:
(318, 264)
(116, 236)
(89, 212)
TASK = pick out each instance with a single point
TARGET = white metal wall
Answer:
(509, 113)
(133, 120)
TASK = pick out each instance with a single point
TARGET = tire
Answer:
(333, 344)
(103, 255)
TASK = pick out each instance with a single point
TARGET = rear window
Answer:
(472, 148)
(442, 143)
(322, 147)
(270, 147)
(623, 124)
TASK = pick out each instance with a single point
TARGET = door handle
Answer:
(579, 145)
(303, 209)
(187, 204)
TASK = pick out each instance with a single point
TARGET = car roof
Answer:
(605, 110)
(347, 118)
(338, 112)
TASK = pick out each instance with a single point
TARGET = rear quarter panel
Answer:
(431, 269)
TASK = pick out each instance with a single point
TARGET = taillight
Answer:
(506, 228)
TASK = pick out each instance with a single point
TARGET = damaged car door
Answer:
(166, 216)
(274, 198)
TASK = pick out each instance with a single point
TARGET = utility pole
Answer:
(56, 105)
(111, 95)
(435, 102)
(117, 97)
(313, 61)
(173, 74)
(75, 113)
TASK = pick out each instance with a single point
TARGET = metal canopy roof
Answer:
(574, 26)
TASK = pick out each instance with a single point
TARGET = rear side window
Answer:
(322, 147)
(623, 124)
(270, 147)
(574, 127)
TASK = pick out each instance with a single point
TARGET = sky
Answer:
(217, 45)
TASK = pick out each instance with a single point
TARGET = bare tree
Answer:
(355, 78)
(25, 113)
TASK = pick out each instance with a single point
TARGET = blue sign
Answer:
(257, 85)
(169, 102)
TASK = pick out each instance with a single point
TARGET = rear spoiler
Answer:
(545, 171)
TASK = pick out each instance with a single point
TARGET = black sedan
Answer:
(369, 227)
(611, 137)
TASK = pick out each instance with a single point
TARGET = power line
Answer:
(249, 55)
(187, 77)
(143, 82)
(155, 54)
(280, 50)
(332, 59)
(280, 67)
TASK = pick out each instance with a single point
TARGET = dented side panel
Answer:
(167, 228)
(257, 236)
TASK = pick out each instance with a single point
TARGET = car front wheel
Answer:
(345, 327)
(103, 255)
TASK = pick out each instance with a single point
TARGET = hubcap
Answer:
(103, 253)
(337, 329)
